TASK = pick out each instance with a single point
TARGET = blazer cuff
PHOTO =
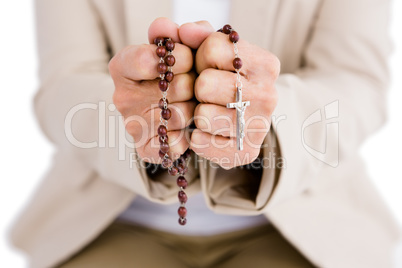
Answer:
(244, 190)
(162, 187)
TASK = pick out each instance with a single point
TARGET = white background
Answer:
(25, 154)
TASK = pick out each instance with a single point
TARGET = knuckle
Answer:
(256, 139)
(202, 84)
(183, 87)
(143, 59)
(139, 59)
(131, 128)
(180, 82)
(212, 50)
(138, 129)
(118, 100)
(203, 111)
(271, 66)
(127, 98)
(180, 146)
(180, 116)
(253, 155)
(189, 111)
(184, 57)
(267, 96)
(274, 97)
(113, 65)
(198, 120)
(122, 100)
(275, 66)
(260, 123)
(270, 100)
(141, 152)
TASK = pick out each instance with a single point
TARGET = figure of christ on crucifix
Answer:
(240, 110)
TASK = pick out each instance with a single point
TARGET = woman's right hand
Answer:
(136, 96)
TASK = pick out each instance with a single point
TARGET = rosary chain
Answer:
(164, 50)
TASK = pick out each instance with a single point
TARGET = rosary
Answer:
(164, 51)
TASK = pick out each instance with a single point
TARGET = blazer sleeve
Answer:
(326, 108)
(74, 103)
(332, 104)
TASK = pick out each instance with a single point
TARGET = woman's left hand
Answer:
(215, 135)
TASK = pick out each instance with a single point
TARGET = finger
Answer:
(194, 33)
(178, 141)
(213, 148)
(217, 52)
(219, 87)
(180, 89)
(139, 127)
(137, 98)
(215, 120)
(219, 120)
(140, 62)
(221, 150)
(181, 116)
(163, 27)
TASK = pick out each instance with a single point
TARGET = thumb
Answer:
(163, 27)
(194, 33)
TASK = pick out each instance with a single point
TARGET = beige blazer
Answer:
(331, 97)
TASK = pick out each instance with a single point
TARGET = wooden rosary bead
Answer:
(181, 160)
(164, 147)
(187, 154)
(162, 130)
(161, 154)
(182, 182)
(173, 171)
(163, 139)
(159, 40)
(166, 114)
(161, 51)
(162, 68)
(237, 63)
(170, 60)
(167, 60)
(170, 45)
(182, 197)
(163, 85)
(182, 211)
(182, 167)
(226, 29)
(161, 103)
(167, 162)
(182, 221)
(234, 37)
(169, 76)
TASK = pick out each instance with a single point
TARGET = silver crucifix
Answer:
(240, 110)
